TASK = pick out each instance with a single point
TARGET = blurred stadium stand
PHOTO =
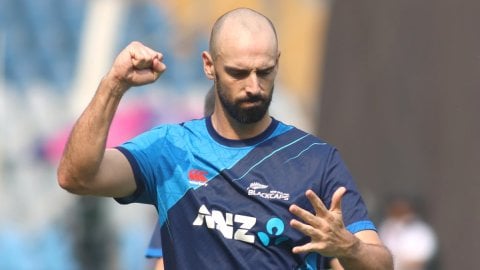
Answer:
(41, 84)
(42, 41)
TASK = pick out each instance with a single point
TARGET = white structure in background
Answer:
(411, 240)
(97, 49)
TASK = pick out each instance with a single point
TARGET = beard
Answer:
(248, 115)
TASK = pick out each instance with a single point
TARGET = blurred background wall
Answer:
(393, 84)
(401, 99)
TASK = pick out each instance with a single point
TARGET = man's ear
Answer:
(208, 67)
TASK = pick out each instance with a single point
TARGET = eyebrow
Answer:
(230, 69)
(235, 70)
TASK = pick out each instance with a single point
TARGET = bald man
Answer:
(234, 190)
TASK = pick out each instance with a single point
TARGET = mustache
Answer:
(254, 98)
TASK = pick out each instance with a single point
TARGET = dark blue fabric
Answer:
(233, 213)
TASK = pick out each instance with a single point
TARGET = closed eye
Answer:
(265, 72)
(237, 73)
(243, 73)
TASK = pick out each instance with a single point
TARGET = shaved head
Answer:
(239, 24)
(243, 62)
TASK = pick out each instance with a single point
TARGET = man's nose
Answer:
(253, 84)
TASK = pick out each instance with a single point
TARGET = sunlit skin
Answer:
(251, 108)
(243, 66)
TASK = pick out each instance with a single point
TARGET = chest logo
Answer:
(231, 226)
(261, 190)
(197, 177)
(274, 230)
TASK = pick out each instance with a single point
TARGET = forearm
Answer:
(364, 256)
(87, 141)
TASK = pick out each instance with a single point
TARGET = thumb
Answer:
(337, 199)
(158, 67)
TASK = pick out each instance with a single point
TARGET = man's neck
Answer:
(231, 129)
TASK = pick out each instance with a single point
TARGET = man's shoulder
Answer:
(304, 134)
(169, 131)
(180, 126)
(193, 122)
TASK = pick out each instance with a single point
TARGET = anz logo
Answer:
(224, 223)
(275, 228)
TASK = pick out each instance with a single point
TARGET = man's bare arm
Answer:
(370, 253)
(86, 167)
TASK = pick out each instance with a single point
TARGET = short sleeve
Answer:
(354, 210)
(143, 153)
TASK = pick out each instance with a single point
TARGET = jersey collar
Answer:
(240, 143)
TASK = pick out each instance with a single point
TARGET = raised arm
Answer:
(86, 167)
(329, 237)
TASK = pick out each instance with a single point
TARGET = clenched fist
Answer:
(137, 65)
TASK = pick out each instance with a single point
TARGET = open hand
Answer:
(325, 227)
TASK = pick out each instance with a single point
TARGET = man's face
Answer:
(246, 109)
(245, 82)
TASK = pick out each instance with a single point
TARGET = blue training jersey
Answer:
(223, 204)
